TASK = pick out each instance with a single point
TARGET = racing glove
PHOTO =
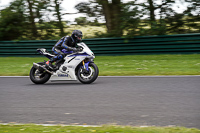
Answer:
(79, 49)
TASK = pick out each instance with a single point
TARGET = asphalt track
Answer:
(136, 101)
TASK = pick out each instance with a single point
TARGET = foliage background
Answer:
(43, 19)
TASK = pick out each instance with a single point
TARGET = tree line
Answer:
(43, 19)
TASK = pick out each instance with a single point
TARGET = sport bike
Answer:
(73, 66)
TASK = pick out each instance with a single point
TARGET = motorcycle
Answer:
(73, 66)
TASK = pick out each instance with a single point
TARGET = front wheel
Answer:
(39, 77)
(87, 77)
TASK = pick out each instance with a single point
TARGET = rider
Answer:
(67, 44)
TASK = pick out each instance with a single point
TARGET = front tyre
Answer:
(39, 77)
(87, 77)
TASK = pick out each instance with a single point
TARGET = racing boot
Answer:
(49, 64)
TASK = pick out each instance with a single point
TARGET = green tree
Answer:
(131, 19)
(185, 22)
(158, 26)
(111, 10)
(12, 21)
(81, 21)
(162, 18)
(32, 18)
(59, 16)
(35, 23)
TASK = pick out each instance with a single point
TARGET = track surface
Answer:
(137, 101)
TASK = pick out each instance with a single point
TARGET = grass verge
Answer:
(117, 65)
(30, 128)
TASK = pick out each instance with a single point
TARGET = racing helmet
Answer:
(77, 35)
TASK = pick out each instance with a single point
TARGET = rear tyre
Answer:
(39, 77)
(89, 76)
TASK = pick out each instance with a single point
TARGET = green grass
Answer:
(150, 65)
(28, 128)
(117, 65)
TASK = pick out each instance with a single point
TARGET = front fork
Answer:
(86, 65)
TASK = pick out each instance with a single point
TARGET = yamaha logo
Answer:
(62, 75)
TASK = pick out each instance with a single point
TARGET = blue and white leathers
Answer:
(62, 46)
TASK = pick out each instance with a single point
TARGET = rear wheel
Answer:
(87, 77)
(39, 77)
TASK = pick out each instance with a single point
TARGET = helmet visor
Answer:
(79, 37)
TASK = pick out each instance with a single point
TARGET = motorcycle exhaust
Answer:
(41, 68)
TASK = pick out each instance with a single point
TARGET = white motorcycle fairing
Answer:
(67, 69)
